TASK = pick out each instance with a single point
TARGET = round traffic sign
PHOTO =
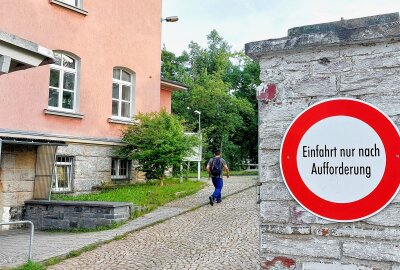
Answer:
(340, 159)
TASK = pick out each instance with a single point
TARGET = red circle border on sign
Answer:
(352, 211)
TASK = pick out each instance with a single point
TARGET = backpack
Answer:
(216, 167)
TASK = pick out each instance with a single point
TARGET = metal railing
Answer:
(249, 166)
(32, 231)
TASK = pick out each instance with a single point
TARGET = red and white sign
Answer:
(340, 159)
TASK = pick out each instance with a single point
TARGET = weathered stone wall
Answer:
(17, 175)
(64, 215)
(92, 165)
(354, 58)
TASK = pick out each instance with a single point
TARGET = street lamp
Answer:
(199, 113)
(200, 150)
(170, 19)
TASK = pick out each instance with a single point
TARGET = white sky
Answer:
(243, 21)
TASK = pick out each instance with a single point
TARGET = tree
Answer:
(244, 78)
(221, 85)
(157, 142)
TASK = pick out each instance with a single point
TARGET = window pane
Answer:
(115, 107)
(123, 171)
(54, 77)
(53, 97)
(62, 176)
(68, 62)
(57, 59)
(125, 109)
(115, 93)
(126, 76)
(126, 92)
(68, 100)
(116, 73)
(69, 81)
(63, 173)
(113, 166)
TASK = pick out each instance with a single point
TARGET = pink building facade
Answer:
(59, 123)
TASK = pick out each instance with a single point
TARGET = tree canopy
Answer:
(157, 142)
(221, 84)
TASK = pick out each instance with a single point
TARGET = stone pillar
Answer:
(358, 58)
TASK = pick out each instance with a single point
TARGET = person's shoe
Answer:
(211, 200)
(219, 201)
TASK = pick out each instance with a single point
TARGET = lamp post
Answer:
(199, 113)
(200, 150)
(170, 19)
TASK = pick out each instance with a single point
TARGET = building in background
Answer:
(59, 123)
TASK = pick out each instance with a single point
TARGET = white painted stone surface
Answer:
(390, 216)
(376, 251)
(274, 212)
(356, 231)
(270, 173)
(270, 157)
(395, 267)
(311, 247)
(301, 216)
(282, 229)
(274, 191)
(333, 266)
(304, 74)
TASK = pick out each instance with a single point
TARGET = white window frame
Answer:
(76, 6)
(78, 3)
(69, 163)
(120, 83)
(118, 168)
(60, 88)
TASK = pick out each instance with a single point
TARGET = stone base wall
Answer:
(64, 215)
(314, 67)
(92, 166)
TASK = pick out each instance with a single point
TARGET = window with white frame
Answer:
(119, 169)
(122, 92)
(75, 3)
(63, 83)
(62, 178)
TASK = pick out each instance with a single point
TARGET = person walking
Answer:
(214, 169)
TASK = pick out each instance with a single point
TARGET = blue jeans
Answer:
(218, 184)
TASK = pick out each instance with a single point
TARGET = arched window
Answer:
(122, 94)
(63, 82)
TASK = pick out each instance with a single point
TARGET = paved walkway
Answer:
(14, 250)
(224, 236)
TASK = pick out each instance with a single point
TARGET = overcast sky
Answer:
(243, 21)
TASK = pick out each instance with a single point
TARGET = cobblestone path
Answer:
(224, 236)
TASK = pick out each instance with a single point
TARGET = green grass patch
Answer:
(148, 195)
(31, 265)
(204, 174)
(53, 261)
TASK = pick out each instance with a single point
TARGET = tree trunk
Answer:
(162, 181)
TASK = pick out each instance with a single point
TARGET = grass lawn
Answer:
(204, 174)
(31, 266)
(148, 195)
